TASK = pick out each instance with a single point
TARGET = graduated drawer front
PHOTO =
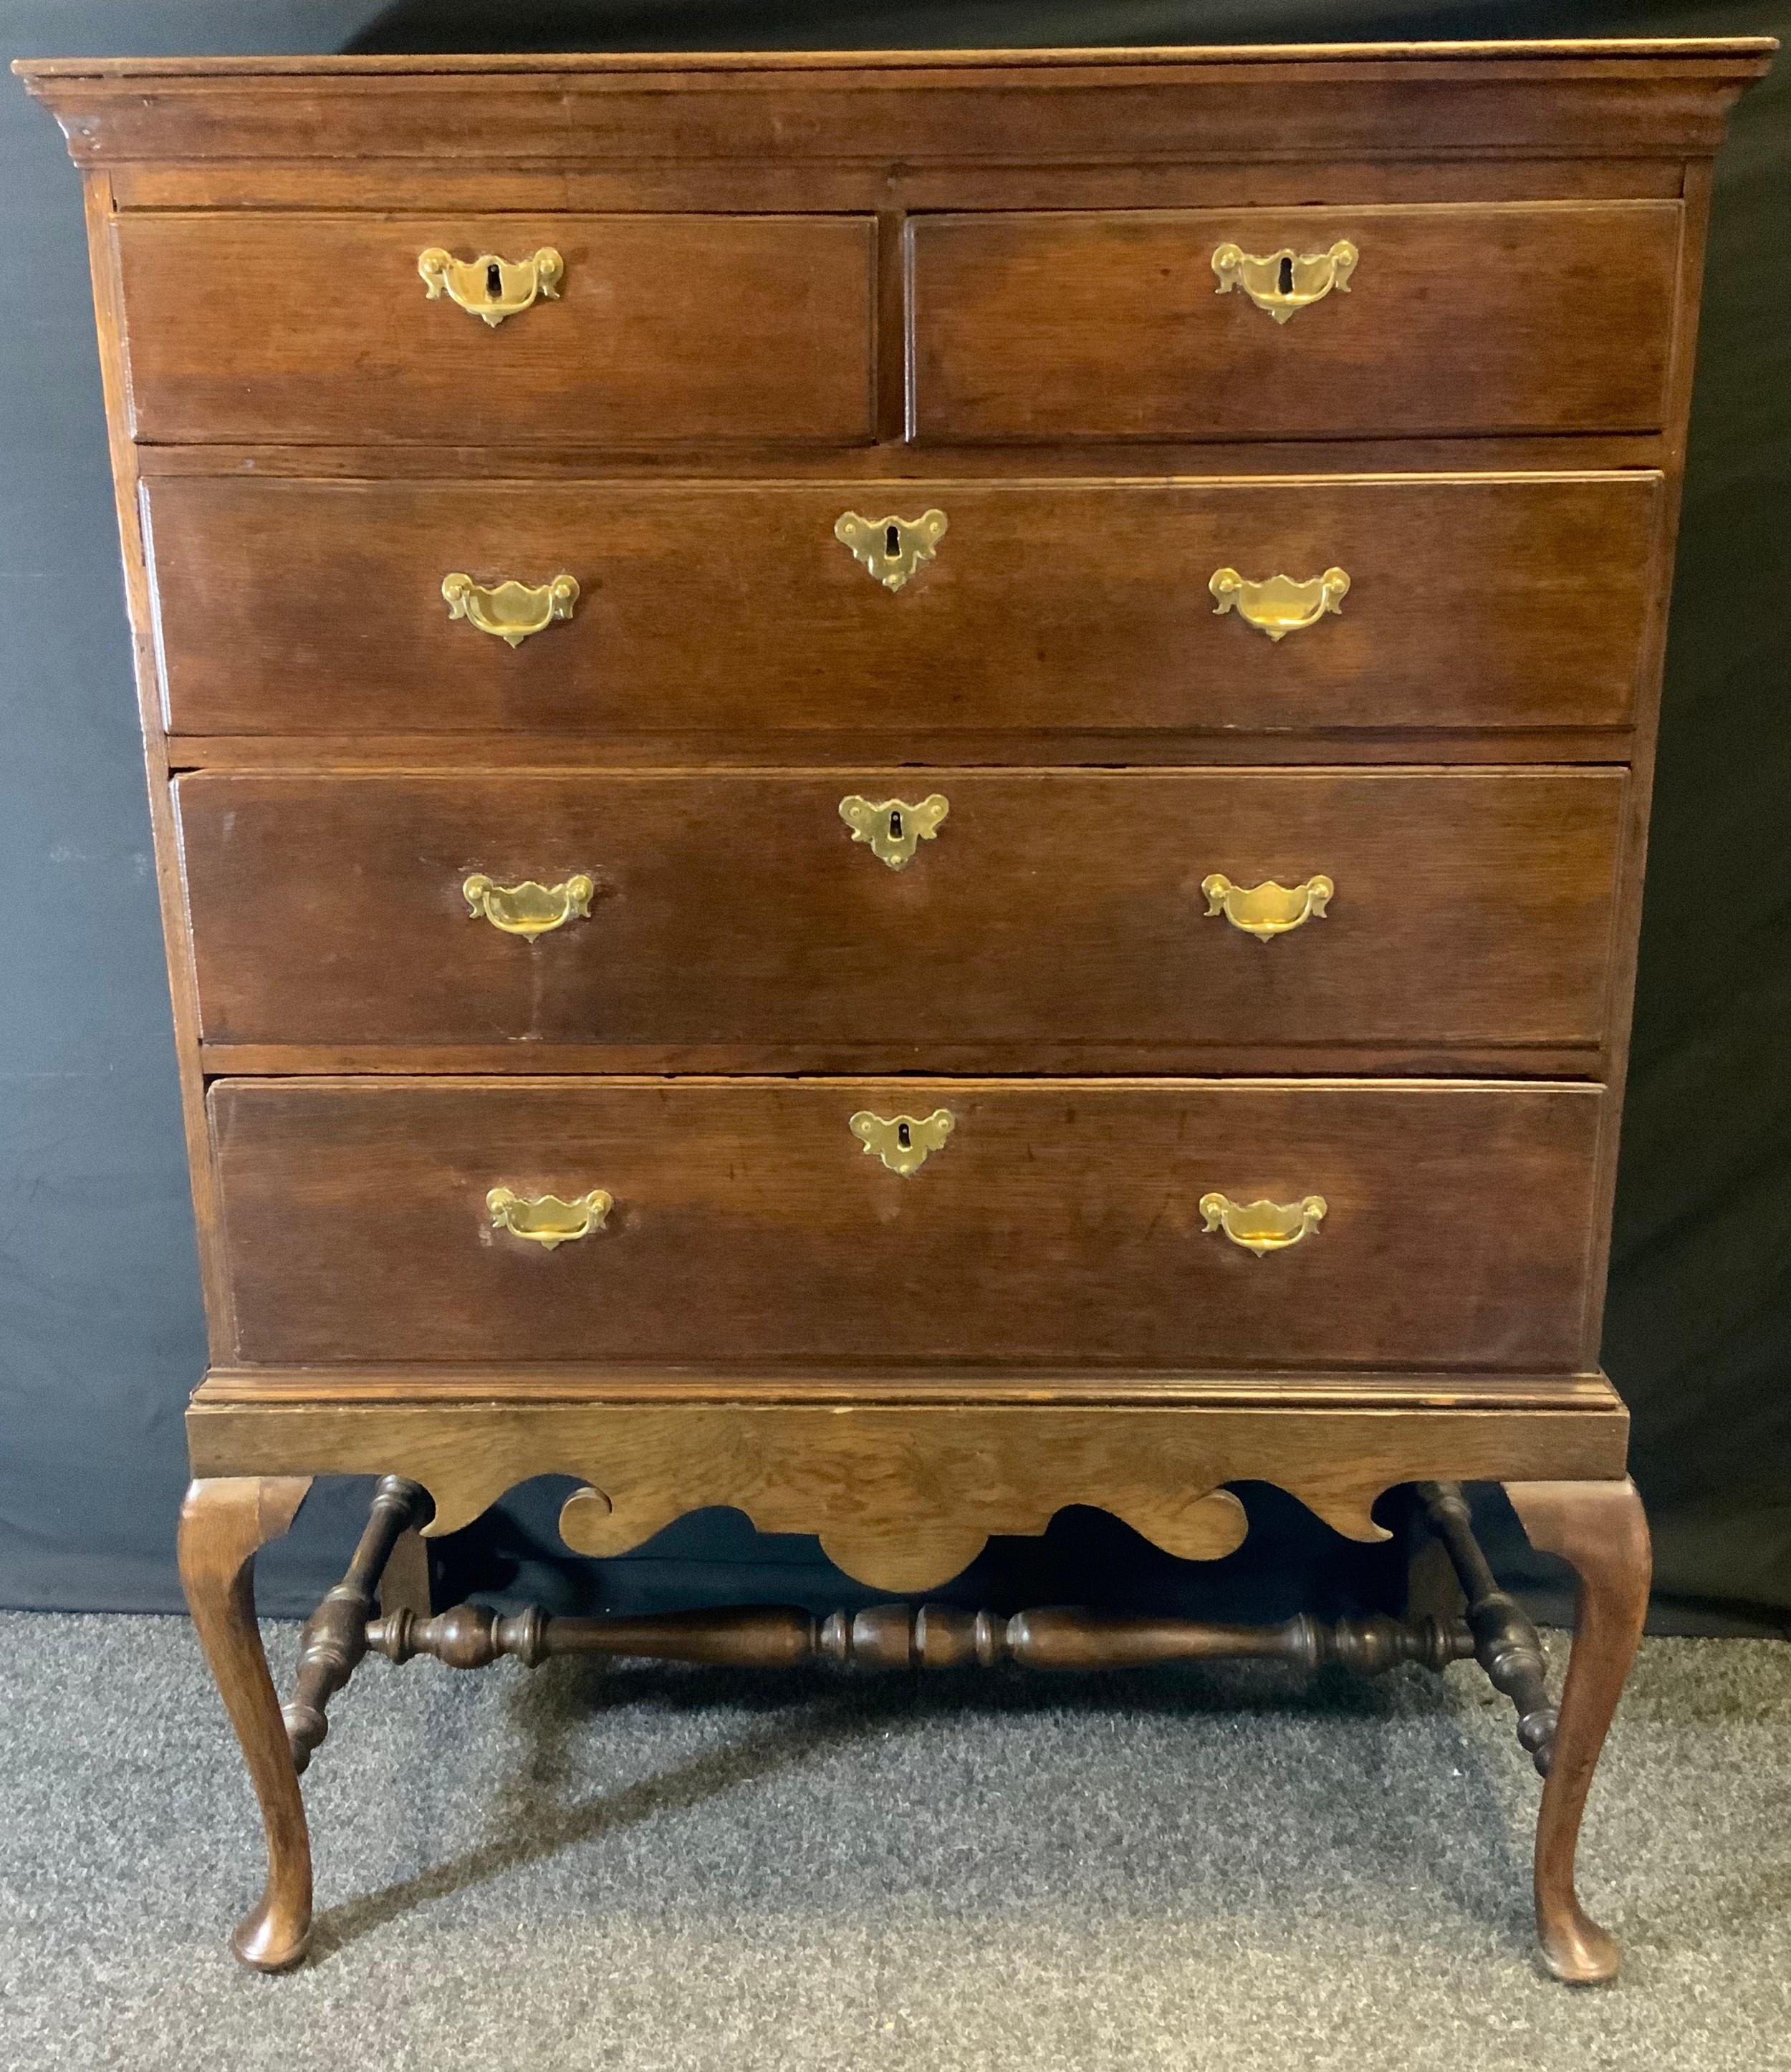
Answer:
(1060, 1220)
(1512, 316)
(1483, 600)
(1048, 907)
(667, 330)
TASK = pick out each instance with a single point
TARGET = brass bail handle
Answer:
(1269, 909)
(489, 287)
(529, 908)
(1286, 281)
(1262, 1227)
(509, 611)
(1279, 605)
(545, 1219)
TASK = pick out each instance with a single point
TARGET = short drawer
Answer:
(660, 330)
(734, 1222)
(1029, 912)
(1512, 316)
(1482, 601)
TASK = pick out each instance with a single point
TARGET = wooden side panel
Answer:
(667, 330)
(1049, 908)
(1520, 317)
(1060, 1221)
(1479, 601)
(140, 602)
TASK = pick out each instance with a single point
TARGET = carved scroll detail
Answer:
(903, 1477)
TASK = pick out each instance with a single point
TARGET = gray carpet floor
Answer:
(642, 1868)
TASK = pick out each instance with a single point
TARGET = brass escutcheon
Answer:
(1280, 604)
(892, 549)
(903, 1142)
(1268, 909)
(491, 288)
(545, 1219)
(1283, 282)
(510, 611)
(527, 909)
(1262, 1227)
(894, 829)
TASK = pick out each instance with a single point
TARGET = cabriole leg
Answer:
(1601, 1530)
(223, 1524)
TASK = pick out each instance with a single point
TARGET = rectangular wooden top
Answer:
(1746, 56)
(1353, 102)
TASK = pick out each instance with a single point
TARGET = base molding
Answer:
(903, 1495)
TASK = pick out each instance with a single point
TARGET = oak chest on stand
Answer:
(899, 789)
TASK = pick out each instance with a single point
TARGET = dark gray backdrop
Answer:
(100, 1329)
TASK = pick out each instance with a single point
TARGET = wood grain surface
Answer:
(1059, 1223)
(1483, 600)
(1051, 908)
(667, 330)
(1458, 318)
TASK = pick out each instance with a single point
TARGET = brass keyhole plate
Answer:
(903, 1142)
(891, 828)
(892, 549)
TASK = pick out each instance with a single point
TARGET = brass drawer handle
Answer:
(1279, 606)
(527, 909)
(894, 829)
(510, 611)
(1285, 281)
(1260, 1227)
(489, 287)
(892, 549)
(545, 1219)
(903, 1142)
(1268, 909)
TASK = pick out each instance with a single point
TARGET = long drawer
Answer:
(728, 1221)
(1483, 600)
(897, 910)
(1449, 318)
(661, 330)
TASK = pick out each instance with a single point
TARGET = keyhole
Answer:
(494, 281)
(903, 1138)
(1287, 275)
(894, 827)
(892, 542)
